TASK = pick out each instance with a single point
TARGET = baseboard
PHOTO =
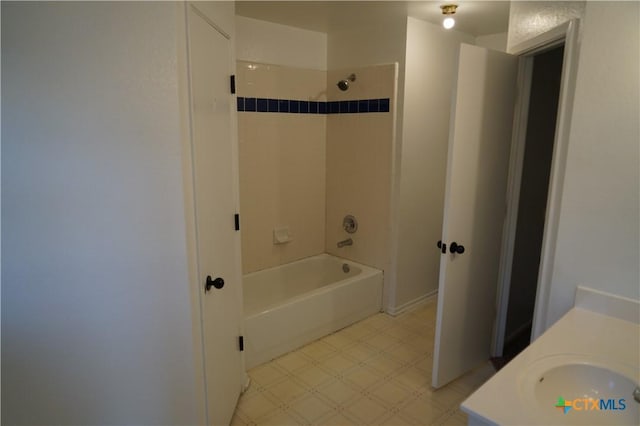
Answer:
(397, 310)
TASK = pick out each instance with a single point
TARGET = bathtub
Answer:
(291, 305)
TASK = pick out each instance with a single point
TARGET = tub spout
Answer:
(347, 242)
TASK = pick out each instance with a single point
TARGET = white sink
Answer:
(590, 354)
(581, 390)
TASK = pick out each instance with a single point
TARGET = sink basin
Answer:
(570, 389)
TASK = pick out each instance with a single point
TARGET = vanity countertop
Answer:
(582, 336)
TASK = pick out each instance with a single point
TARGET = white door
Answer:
(217, 241)
(474, 210)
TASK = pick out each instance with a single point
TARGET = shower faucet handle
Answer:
(350, 224)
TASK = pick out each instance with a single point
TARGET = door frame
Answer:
(566, 34)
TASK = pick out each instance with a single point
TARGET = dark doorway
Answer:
(532, 204)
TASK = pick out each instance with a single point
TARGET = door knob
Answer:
(217, 283)
(456, 248)
(442, 247)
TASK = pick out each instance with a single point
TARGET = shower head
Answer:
(344, 84)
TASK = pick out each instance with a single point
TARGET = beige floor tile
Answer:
(254, 389)
(399, 332)
(459, 419)
(281, 418)
(361, 352)
(417, 327)
(414, 378)
(471, 381)
(427, 314)
(422, 410)
(266, 374)
(422, 344)
(359, 331)
(425, 363)
(377, 371)
(447, 396)
(238, 420)
(293, 361)
(337, 420)
(312, 408)
(481, 374)
(392, 393)
(338, 364)
(313, 376)
(452, 418)
(379, 322)
(256, 408)
(318, 350)
(386, 365)
(339, 340)
(366, 410)
(404, 354)
(397, 419)
(382, 341)
(363, 377)
(464, 386)
(286, 391)
(338, 392)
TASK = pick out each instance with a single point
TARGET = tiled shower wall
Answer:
(282, 165)
(359, 148)
(309, 154)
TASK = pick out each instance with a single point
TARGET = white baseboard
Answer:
(397, 310)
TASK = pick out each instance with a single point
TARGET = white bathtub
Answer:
(291, 305)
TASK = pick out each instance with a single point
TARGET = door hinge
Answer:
(236, 221)
(232, 84)
(241, 343)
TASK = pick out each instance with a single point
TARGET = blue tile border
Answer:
(295, 106)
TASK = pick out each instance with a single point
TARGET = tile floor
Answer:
(375, 372)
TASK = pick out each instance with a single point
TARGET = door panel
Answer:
(210, 67)
(475, 197)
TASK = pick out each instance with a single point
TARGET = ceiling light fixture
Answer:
(448, 10)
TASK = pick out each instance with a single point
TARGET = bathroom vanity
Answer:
(583, 370)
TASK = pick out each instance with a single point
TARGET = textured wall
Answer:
(528, 19)
(96, 310)
(598, 241)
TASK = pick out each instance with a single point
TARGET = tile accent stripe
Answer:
(294, 106)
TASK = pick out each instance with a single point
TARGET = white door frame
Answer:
(566, 34)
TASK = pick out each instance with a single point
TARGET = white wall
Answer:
(528, 19)
(96, 310)
(598, 235)
(431, 65)
(266, 42)
(496, 41)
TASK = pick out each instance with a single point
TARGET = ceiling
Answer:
(477, 17)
